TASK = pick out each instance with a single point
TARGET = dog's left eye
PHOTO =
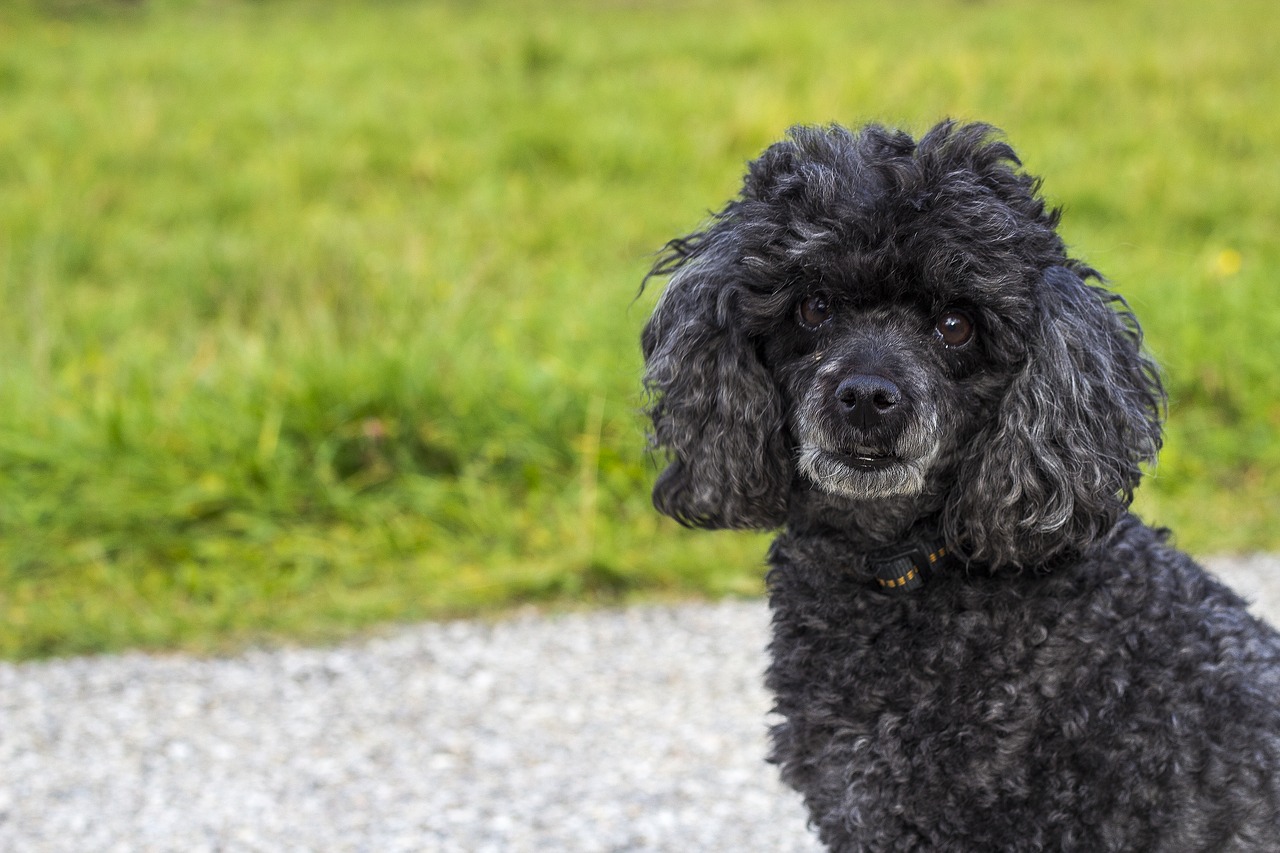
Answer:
(954, 329)
(814, 311)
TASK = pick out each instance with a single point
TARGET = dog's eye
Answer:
(814, 311)
(954, 329)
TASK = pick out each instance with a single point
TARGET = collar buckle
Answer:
(909, 568)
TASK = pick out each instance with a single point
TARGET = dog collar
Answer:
(910, 567)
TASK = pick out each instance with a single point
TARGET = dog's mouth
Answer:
(866, 458)
(865, 472)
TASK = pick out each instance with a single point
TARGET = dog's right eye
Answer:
(954, 329)
(814, 311)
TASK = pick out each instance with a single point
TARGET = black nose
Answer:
(866, 399)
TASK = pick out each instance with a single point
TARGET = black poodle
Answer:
(882, 348)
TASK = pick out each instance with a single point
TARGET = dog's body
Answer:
(1103, 706)
(882, 347)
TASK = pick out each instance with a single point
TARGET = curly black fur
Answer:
(883, 340)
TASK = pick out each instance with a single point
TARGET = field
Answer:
(319, 316)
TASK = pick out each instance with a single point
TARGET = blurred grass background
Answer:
(318, 315)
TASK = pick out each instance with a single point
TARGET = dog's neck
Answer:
(869, 526)
(894, 544)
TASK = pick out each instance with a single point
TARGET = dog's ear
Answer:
(715, 408)
(1060, 461)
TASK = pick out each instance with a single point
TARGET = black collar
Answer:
(911, 566)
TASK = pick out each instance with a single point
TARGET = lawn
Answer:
(317, 316)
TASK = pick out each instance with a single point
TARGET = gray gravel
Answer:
(641, 729)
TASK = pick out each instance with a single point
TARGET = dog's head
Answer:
(879, 318)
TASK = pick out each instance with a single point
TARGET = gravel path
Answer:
(641, 729)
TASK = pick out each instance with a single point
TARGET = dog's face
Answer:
(876, 318)
(880, 386)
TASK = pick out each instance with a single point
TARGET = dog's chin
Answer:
(864, 476)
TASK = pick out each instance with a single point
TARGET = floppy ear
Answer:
(715, 407)
(1059, 464)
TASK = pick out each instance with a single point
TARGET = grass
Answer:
(317, 316)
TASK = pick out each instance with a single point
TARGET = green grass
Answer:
(316, 316)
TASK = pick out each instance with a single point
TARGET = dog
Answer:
(882, 349)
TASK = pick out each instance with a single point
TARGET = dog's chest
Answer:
(874, 661)
(899, 694)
